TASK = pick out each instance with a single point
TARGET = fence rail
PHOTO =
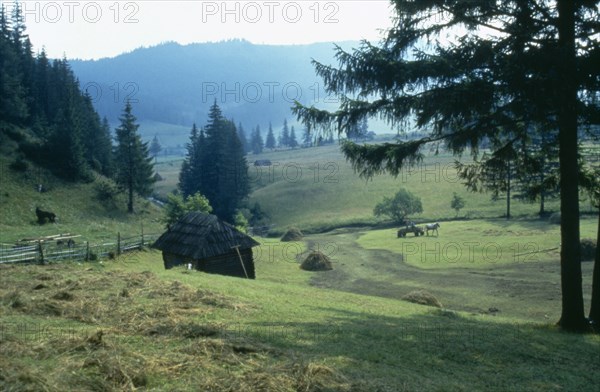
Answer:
(45, 250)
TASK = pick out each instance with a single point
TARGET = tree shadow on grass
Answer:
(440, 350)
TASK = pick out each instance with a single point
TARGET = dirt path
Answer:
(525, 291)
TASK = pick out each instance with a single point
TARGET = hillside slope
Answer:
(76, 205)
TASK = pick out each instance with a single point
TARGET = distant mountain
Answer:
(175, 84)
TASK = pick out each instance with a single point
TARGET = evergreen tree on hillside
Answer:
(133, 163)
(104, 149)
(293, 141)
(216, 166)
(243, 139)
(191, 169)
(285, 135)
(257, 141)
(155, 147)
(46, 99)
(306, 136)
(66, 144)
(270, 142)
(13, 96)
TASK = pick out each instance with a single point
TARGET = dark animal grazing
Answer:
(433, 227)
(42, 216)
(262, 162)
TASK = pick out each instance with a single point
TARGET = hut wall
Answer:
(172, 260)
(229, 264)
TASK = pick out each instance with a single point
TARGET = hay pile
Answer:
(588, 249)
(316, 261)
(293, 234)
(422, 297)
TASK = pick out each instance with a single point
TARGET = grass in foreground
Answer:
(129, 324)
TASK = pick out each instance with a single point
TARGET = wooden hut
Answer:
(209, 245)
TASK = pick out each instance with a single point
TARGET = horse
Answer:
(42, 216)
(432, 227)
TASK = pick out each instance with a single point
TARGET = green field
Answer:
(128, 324)
(316, 189)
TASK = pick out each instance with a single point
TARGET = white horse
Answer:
(432, 227)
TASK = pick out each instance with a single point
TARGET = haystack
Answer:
(316, 261)
(293, 234)
(422, 297)
(588, 249)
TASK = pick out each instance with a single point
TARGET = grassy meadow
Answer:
(129, 324)
(322, 191)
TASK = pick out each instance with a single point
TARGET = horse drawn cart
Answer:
(417, 230)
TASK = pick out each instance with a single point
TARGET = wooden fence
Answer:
(58, 248)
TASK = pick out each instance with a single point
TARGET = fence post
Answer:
(41, 251)
(118, 243)
(87, 250)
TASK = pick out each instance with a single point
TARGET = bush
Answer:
(403, 203)
(106, 190)
(176, 207)
(555, 218)
(19, 164)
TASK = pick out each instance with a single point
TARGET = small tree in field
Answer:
(176, 206)
(399, 207)
(457, 203)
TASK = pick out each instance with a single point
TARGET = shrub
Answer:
(106, 190)
(176, 207)
(555, 218)
(400, 206)
(19, 164)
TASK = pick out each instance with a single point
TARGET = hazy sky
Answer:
(96, 29)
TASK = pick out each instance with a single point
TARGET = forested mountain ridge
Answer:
(176, 84)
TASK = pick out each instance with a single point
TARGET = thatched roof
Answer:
(201, 236)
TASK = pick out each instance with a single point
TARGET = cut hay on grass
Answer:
(422, 297)
(316, 261)
(293, 234)
(126, 331)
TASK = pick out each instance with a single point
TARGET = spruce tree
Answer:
(155, 147)
(285, 135)
(216, 166)
(189, 177)
(307, 137)
(270, 142)
(535, 65)
(243, 138)
(293, 141)
(257, 141)
(13, 96)
(133, 163)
